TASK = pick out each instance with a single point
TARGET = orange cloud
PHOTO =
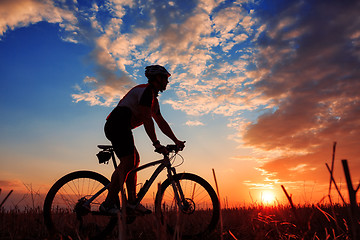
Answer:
(22, 13)
(313, 82)
(7, 185)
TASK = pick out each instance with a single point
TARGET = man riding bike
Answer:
(139, 106)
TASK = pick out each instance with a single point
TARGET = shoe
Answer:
(143, 210)
(111, 209)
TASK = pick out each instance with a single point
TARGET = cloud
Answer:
(21, 13)
(227, 19)
(181, 39)
(7, 185)
(157, 40)
(105, 92)
(81, 24)
(194, 123)
(312, 77)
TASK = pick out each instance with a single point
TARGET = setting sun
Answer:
(267, 197)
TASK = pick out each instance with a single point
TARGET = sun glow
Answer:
(267, 197)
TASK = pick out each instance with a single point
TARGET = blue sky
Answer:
(259, 90)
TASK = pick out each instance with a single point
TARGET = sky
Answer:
(260, 90)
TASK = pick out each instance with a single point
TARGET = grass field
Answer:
(253, 222)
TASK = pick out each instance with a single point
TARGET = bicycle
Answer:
(185, 202)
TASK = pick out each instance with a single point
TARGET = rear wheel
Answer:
(65, 214)
(201, 210)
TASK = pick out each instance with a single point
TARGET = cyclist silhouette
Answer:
(139, 106)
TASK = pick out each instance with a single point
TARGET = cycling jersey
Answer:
(140, 95)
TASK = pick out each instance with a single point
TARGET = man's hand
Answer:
(180, 144)
(160, 148)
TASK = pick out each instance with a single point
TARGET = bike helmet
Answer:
(153, 70)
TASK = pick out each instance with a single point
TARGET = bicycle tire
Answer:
(59, 207)
(205, 216)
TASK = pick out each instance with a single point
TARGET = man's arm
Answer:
(148, 123)
(150, 129)
(165, 128)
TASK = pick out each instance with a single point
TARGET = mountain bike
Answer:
(185, 203)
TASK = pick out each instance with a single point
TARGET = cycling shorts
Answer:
(118, 131)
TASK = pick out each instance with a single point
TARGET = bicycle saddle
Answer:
(105, 147)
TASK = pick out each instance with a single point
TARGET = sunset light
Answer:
(268, 197)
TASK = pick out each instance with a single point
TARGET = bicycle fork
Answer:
(178, 192)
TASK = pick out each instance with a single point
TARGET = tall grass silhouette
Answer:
(256, 221)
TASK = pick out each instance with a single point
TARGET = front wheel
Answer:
(65, 214)
(200, 215)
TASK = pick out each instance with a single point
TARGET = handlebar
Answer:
(170, 148)
(173, 148)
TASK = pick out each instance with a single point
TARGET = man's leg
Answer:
(120, 175)
(118, 178)
(131, 179)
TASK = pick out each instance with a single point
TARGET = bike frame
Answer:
(163, 163)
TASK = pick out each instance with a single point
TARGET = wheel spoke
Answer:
(201, 209)
(193, 193)
(60, 204)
